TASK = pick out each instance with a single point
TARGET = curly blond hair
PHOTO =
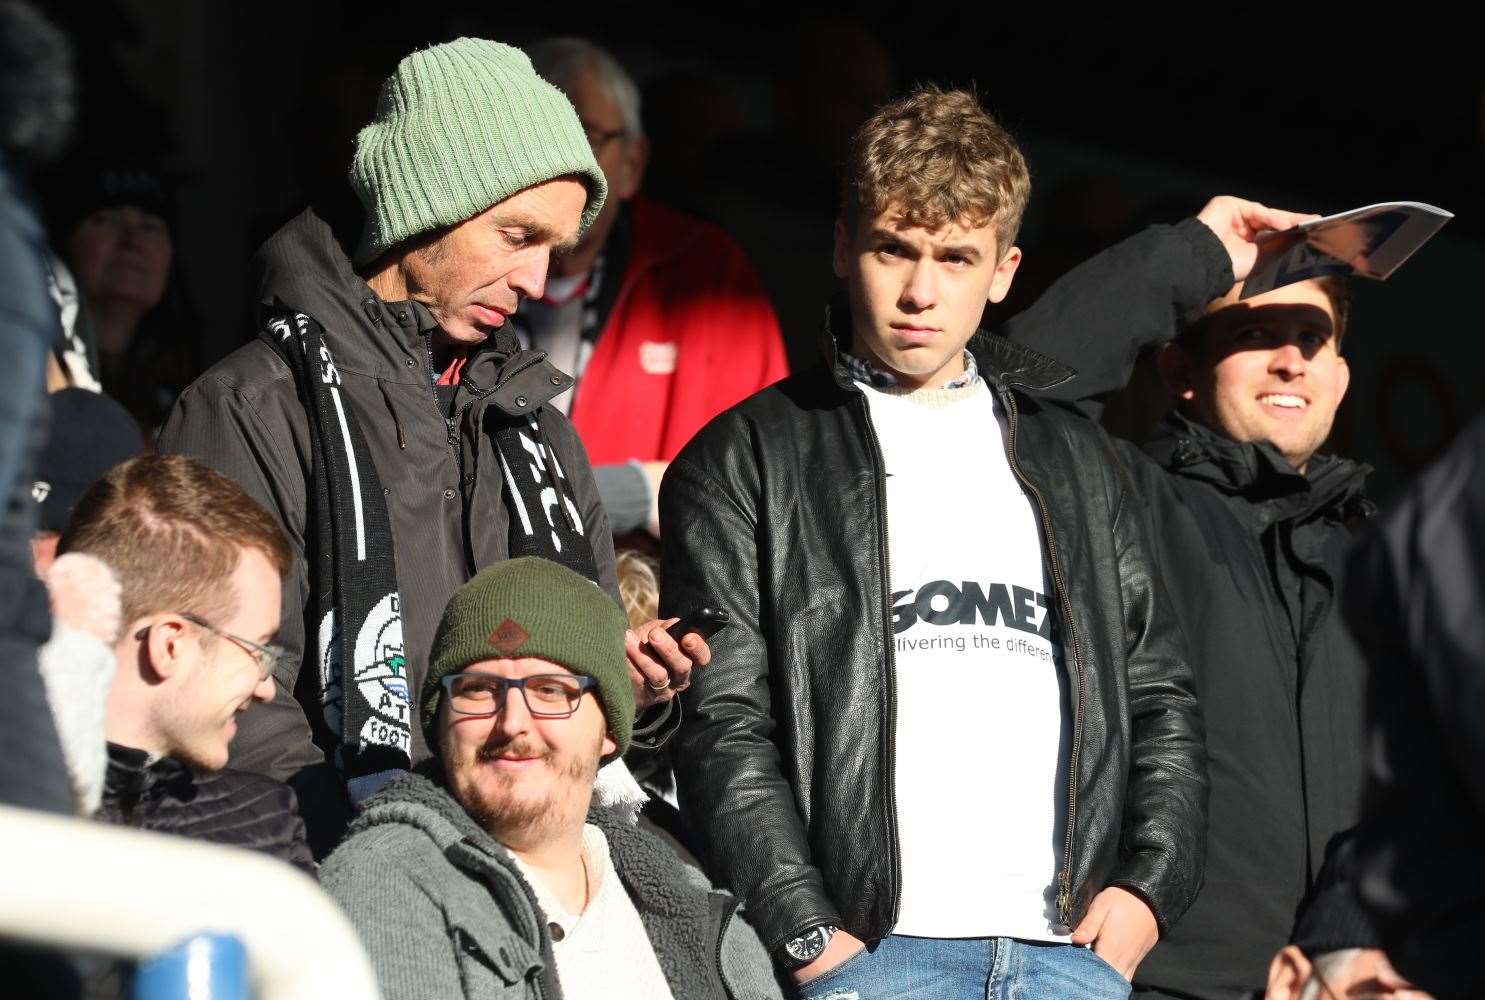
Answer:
(639, 586)
(939, 158)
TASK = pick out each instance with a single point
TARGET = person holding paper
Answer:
(1252, 519)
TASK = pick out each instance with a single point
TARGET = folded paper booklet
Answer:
(1369, 242)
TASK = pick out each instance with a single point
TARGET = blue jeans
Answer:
(908, 968)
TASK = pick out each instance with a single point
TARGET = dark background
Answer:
(254, 107)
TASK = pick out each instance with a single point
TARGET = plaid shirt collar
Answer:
(861, 370)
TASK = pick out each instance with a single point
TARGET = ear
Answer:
(166, 651)
(842, 260)
(1177, 370)
(636, 157)
(608, 746)
(1343, 380)
(1005, 271)
(1287, 974)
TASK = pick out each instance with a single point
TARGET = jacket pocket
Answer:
(494, 962)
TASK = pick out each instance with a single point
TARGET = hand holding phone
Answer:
(705, 622)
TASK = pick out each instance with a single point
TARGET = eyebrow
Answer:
(887, 236)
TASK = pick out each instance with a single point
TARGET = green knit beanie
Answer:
(534, 607)
(460, 127)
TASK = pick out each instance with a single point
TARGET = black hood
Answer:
(1256, 473)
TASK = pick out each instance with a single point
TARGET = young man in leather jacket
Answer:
(952, 734)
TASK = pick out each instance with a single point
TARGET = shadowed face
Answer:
(1265, 369)
(123, 254)
(917, 294)
(523, 777)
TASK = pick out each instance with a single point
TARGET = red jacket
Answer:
(691, 333)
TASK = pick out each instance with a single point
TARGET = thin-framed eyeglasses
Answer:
(599, 137)
(547, 696)
(267, 656)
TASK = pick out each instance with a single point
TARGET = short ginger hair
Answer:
(939, 158)
(172, 530)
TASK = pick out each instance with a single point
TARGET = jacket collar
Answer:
(422, 800)
(131, 773)
(1255, 472)
(999, 360)
(304, 267)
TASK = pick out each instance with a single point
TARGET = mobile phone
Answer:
(705, 622)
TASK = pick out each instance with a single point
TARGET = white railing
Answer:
(77, 884)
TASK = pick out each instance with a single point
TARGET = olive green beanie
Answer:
(534, 607)
(460, 127)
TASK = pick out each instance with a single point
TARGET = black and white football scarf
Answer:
(353, 572)
(544, 521)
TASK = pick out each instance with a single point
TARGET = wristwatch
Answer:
(801, 951)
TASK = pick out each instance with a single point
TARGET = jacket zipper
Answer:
(452, 424)
(889, 767)
(1064, 877)
(721, 936)
(451, 427)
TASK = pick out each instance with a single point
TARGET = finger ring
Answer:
(658, 687)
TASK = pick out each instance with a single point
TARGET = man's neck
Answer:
(560, 863)
(388, 283)
(126, 716)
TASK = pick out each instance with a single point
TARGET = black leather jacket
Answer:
(785, 762)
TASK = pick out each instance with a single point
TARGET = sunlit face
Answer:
(916, 294)
(524, 778)
(121, 253)
(475, 274)
(218, 678)
(1267, 370)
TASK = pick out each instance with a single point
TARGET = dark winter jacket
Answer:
(31, 769)
(440, 475)
(1415, 593)
(225, 807)
(1251, 554)
(775, 513)
(445, 912)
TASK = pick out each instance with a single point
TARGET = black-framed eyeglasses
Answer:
(599, 137)
(266, 655)
(547, 696)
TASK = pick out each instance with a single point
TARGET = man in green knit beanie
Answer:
(497, 873)
(391, 421)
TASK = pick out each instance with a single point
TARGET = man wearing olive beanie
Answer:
(527, 694)
(393, 424)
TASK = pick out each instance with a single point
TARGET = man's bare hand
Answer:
(1121, 927)
(1237, 224)
(840, 947)
(659, 667)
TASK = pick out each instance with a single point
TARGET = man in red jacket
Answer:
(658, 316)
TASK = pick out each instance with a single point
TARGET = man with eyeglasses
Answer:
(490, 871)
(659, 316)
(200, 567)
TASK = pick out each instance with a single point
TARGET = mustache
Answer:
(519, 748)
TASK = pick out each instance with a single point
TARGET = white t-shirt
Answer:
(603, 951)
(983, 732)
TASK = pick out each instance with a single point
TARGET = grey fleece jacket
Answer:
(444, 911)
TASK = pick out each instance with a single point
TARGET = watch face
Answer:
(807, 946)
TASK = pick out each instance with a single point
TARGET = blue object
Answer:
(204, 967)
